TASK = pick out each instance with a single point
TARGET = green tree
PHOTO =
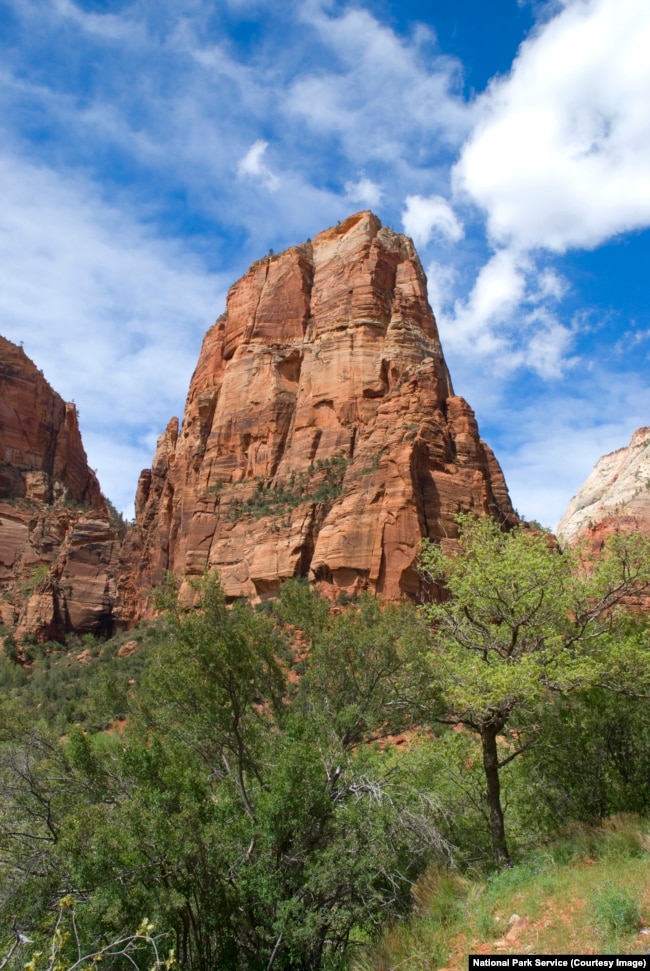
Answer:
(363, 669)
(518, 618)
(38, 789)
(241, 810)
(592, 759)
(62, 950)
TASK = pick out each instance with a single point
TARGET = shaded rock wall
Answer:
(58, 549)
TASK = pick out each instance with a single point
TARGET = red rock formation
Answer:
(58, 550)
(321, 435)
(615, 498)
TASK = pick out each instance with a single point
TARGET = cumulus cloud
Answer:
(498, 291)
(559, 155)
(509, 321)
(433, 216)
(364, 191)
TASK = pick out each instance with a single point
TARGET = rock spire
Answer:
(321, 435)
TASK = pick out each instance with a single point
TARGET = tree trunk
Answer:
(491, 766)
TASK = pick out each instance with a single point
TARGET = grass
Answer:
(616, 911)
(586, 894)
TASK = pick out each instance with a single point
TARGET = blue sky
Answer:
(151, 149)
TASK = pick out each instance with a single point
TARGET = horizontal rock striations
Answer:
(58, 549)
(321, 435)
(615, 497)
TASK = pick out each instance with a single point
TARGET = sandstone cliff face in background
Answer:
(58, 550)
(321, 435)
(615, 497)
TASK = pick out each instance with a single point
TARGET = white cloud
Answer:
(549, 345)
(559, 156)
(252, 165)
(432, 216)
(366, 74)
(364, 191)
(508, 321)
(551, 285)
(499, 289)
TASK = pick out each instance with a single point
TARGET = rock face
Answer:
(321, 435)
(615, 497)
(58, 549)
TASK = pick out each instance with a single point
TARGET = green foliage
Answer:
(518, 619)
(75, 505)
(217, 488)
(592, 760)
(301, 839)
(10, 647)
(251, 817)
(561, 892)
(116, 518)
(615, 910)
(66, 692)
(28, 586)
(301, 608)
(61, 950)
(363, 670)
(298, 489)
(277, 787)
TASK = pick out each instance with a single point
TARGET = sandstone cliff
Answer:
(321, 435)
(58, 549)
(615, 497)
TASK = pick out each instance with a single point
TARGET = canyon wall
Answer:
(321, 436)
(58, 548)
(614, 498)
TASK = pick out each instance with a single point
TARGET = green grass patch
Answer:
(587, 893)
(321, 483)
(616, 911)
